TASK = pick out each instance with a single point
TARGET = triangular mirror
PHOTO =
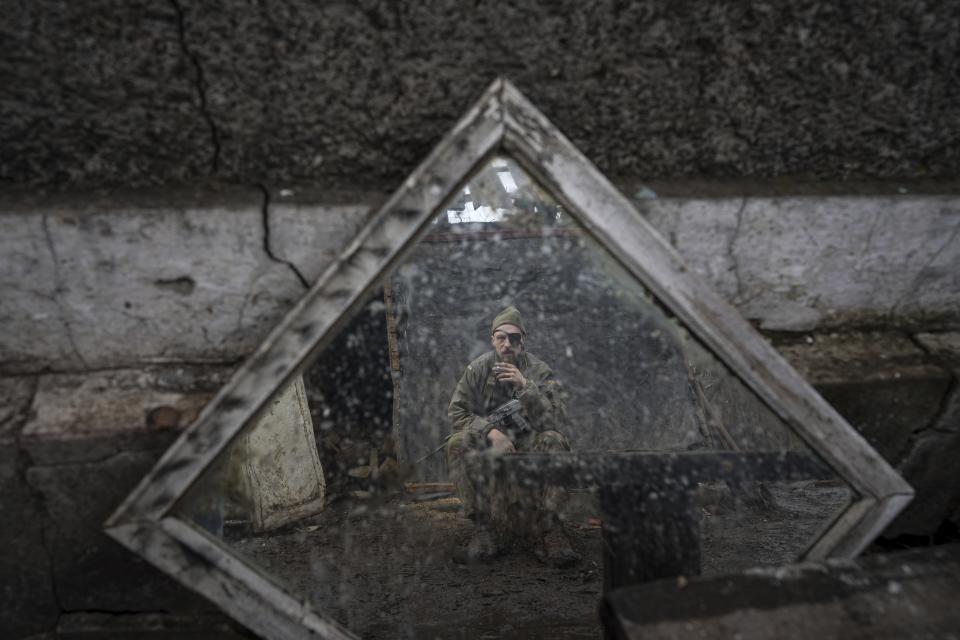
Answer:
(612, 420)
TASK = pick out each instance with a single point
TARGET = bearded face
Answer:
(507, 340)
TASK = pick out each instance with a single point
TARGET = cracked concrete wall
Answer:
(125, 311)
(81, 441)
(203, 276)
(806, 263)
(102, 92)
(90, 285)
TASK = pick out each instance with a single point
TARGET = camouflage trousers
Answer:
(511, 509)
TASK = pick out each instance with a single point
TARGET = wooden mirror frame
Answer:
(502, 121)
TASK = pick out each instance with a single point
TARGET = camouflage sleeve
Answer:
(464, 403)
(543, 403)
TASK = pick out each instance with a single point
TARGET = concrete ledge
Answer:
(151, 278)
(805, 263)
(149, 626)
(86, 286)
(903, 595)
(89, 417)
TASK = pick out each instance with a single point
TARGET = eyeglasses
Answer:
(516, 339)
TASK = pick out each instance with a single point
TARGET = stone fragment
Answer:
(881, 382)
(904, 595)
(359, 472)
(930, 463)
(164, 417)
(90, 416)
(930, 468)
(943, 346)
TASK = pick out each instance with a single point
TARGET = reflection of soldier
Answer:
(504, 374)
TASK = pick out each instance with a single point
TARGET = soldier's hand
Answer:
(500, 442)
(506, 372)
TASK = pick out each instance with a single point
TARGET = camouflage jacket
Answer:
(478, 394)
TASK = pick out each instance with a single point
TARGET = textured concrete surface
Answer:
(309, 236)
(882, 383)
(98, 89)
(71, 448)
(91, 571)
(796, 264)
(96, 284)
(106, 92)
(27, 597)
(930, 463)
(92, 416)
(348, 99)
(91, 281)
(904, 595)
(148, 626)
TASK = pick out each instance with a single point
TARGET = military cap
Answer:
(510, 315)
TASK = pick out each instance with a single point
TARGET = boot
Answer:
(481, 548)
(555, 549)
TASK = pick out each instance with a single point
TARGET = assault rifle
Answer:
(508, 418)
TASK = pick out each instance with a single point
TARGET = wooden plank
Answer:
(682, 469)
(429, 487)
(392, 343)
(393, 346)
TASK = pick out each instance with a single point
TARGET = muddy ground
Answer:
(385, 568)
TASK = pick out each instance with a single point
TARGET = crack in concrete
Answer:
(810, 236)
(24, 461)
(206, 335)
(943, 409)
(247, 299)
(140, 365)
(22, 413)
(51, 565)
(266, 238)
(869, 241)
(119, 613)
(106, 458)
(916, 279)
(200, 83)
(58, 284)
(732, 255)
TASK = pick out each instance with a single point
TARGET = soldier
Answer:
(494, 378)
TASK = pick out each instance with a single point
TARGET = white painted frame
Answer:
(502, 121)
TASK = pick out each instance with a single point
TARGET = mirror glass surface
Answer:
(344, 491)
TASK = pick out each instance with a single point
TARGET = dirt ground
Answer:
(385, 569)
